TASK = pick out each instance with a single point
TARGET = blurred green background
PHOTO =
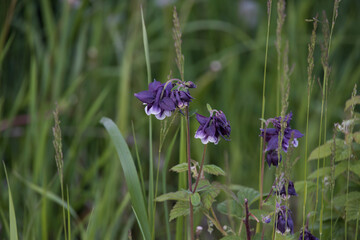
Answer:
(88, 57)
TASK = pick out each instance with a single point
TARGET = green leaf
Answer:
(300, 186)
(259, 214)
(326, 171)
(249, 193)
(356, 137)
(340, 201)
(231, 238)
(231, 207)
(288, 236)
(353, 209)
(208, 196)
(182, 167)
(131, 176)
(213, 169)
(195, 199)
(182, 195)
(355, 169)
(352, 101)
(12, 216)
(341, 152)
(181, 208)
(202, 185)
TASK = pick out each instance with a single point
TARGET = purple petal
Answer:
(202, 119)
(145, 96)
(272, 144)
(297, 133)
(154, 85)
(167, 104)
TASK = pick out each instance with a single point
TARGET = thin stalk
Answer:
(189, 171)
(246, 221)
(261, 170)
(357, 226)
(138, 160)
(201, 167)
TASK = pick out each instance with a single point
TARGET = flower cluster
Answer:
(307, 236)
(284, 220)
(213, 127)
(271, 136)
(290, 191)
(163, 98)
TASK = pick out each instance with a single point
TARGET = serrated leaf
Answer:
(231, 207)
(231, 238)
(181, 208)
(300, 186)
(340, 201)
(353, 209)
(195, 199)
(288, 236)
(208, 196)
(213, 169)
(356, 169)
(182, 167)
(326, 171)
(352, 101)
(249, 193)
(356, 137)
(203, 184)
(341, 152)
(182, 195)
(259, 214)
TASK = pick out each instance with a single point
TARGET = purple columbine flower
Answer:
(307, 236)
(272, 138)
(180, 94)
(157, 100)
(291, 190)
(284, 221)
(213, 127)
(162, 98)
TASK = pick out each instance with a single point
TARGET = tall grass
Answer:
(90, 59)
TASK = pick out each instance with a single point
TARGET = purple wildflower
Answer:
(284, 221)
(307, 236)
(180, 95)
(162, 99)
(272, 138)
(211, 128)
(291, 190)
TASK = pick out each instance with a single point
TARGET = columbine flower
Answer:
(162, 99)
(284, 221)
(291, 190)
(157, 100)
(211, 128)
(307, 236)
(180, 95)
(272, 138)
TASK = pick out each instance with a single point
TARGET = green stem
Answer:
(201, 167)
(189, 171)
(261, 169)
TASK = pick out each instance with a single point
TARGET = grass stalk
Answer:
(261, 157)
(310, 60)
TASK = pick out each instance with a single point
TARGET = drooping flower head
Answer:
(307, 236)
(162, 98)
(272, 137)
(213, 127)
(284, 221)
(291, 190)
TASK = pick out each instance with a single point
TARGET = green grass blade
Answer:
(151, 168)
(47, 194)
(164, 171)
(13, 228)
(131, 176)
(180, 222)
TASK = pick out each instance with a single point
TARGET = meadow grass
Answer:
(91, 57)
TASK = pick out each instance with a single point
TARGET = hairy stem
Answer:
(201, 167)
(189, 170)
